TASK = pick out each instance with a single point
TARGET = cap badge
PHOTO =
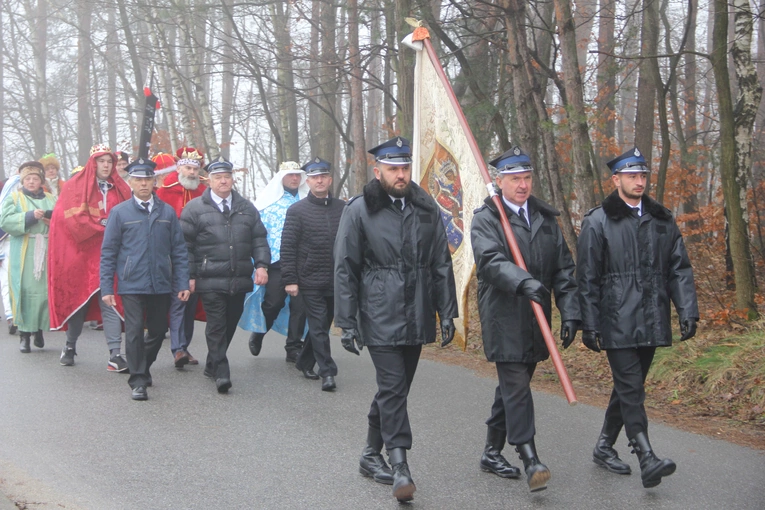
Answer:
(517, 151)
(399, 143)
(140, 161)
(221, 160)
(637, 152)
(317, 160)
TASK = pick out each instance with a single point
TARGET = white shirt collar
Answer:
(140, 202)
(639, 207)
(403, 201)
(219, 201)
(516, 208)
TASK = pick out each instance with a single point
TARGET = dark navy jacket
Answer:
(146, 251)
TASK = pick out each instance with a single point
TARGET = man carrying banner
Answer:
(511, 337)
(179, 188)
(286, 188)
(632, 262)
(393, 271)
(76, 233)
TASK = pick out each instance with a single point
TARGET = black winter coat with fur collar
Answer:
(393, 269)
(629, 268)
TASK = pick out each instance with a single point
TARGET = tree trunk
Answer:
(738, 232)
(3, 176)
(608, 67)
(227, 85)
(84, 129)
(646, 98)
(583, 19)
(314, 65)
(374, 98)
(359, 160)
(627, 89)
(531, 112)
(286, 76)
(581, 145)
(112, 61)
(404, 70)
(131, 46)
(329, 84)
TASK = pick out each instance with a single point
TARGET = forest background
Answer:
(573, 83)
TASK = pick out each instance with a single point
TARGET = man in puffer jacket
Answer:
(225, 238)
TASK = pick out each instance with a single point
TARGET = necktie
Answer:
(145, 206)
(522, 214)
(226, 209)
(636, 211)
(398, 204)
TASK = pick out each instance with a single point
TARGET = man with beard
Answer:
(286, 188)
(511, 336)
(76, 233)
(631, 263)
(122, 163)
(180, 187)
(307, 264)
(393, 273)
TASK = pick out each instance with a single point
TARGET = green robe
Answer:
(29, 294)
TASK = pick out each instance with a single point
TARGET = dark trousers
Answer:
(273, 302)
(513, 408)
(182, 322)
(629, 368)
(319, 310)
(395, 367)
(223, 312)
(149, 311)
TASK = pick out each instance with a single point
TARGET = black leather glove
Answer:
(568, 331)
(347, 339)
(534, 290)
(447, 331)
(591, 339)
(687, 329)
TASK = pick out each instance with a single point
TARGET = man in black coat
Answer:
(511, 336)
(393, 273)
(632, 262)
(307, 266)
(225, 238)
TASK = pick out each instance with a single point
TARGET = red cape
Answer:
(174, 194)
(74, 243)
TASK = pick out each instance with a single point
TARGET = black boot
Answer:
(256, 343)
(372, 463)
(652, 468)
(24, 343)
(403, 485)
(492, 460)
(537, 474)
(39, 340)
(604, 453)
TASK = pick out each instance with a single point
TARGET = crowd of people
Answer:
(150, 245)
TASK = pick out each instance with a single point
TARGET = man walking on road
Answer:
(307, 267)
(631, 263)
(393, 271)
(226, 242)
(179, 188)
(144, 245)
(284, 190)
(511, 336)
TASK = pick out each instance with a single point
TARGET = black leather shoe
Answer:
(256, 343)
(652, 468)
(492, 460)
(139, 393)
(372, 463)
(604, 453)
(292, 356)
(328, 383)
(310, 374)
(24, 342)
(223, 385)
(39, 340)
(537, 474)
(403, 485)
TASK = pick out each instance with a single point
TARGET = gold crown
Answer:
(289, 165)
(193, 154)
(101, 147)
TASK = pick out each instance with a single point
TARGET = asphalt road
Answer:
(70, 437)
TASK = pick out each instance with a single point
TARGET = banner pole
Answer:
(565, 382)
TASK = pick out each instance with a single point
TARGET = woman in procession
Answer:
(26, 217)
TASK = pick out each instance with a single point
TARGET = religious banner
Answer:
(445, 164)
